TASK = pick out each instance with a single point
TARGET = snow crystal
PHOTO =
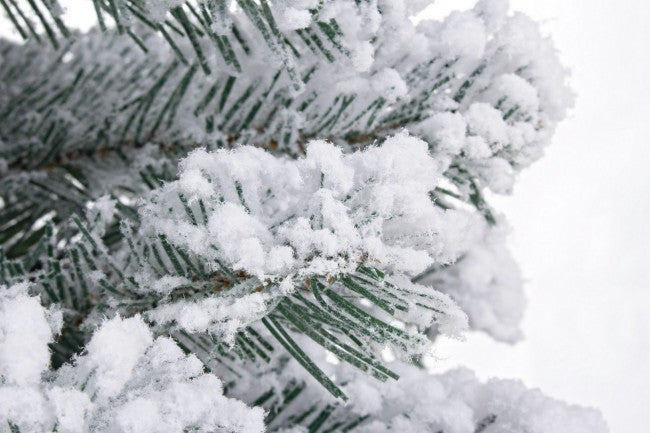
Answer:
(157, 9)
(100, 213)
(389, 84)
(25, 407)
(197, 402)
(493, 12)
(362, 56)
(219, 316)
(453, 321)
(477, 148)
(445, 131)
(25, 331)
(361, 22)
(167, 283)
(156, 387)
(463, 35)
(486, 121)
(521, 42)
(521, 409)
(113, 368)
(293, 14)
(70, 407)
(508, 406)
(224, 315)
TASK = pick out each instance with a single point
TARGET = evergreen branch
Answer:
(333, 239)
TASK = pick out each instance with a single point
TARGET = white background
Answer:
(580, 219)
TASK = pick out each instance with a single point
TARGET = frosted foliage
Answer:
(358, 82)
(448, 318)
(289, 14)
(463, 34)
(25, 331)
(505, 125)
(294, 14)
(321, 214)
(281, 221)
(222, 316)
(158, 9)
(453, 402)
(389, 84)
(127, 381)
(456, 402)
(272, 185)
(100, 214)
(151, 386)
(487, 284)
(521, 409)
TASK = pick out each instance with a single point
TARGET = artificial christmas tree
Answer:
(258, 216)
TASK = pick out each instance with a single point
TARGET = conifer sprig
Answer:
(243, 215)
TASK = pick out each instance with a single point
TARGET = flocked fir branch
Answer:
(248, 216)
(126, 381)
(129, 381)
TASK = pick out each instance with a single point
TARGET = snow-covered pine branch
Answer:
(483, 88)
(487, 284)
(126, 381)
(321, 214)
(453, 402)
(324, 244)
(280, 196)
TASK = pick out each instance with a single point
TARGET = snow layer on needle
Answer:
(453, 402)
(293, 14)
(487, 284)
(26, 329)
(463, 35)
(221, 316)
(114, 368)
(322, 214)
(457, 402)
(126, 382)
(99, 214)
(158, 9)
(153, 387)
(444, 313)
(361, 22)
